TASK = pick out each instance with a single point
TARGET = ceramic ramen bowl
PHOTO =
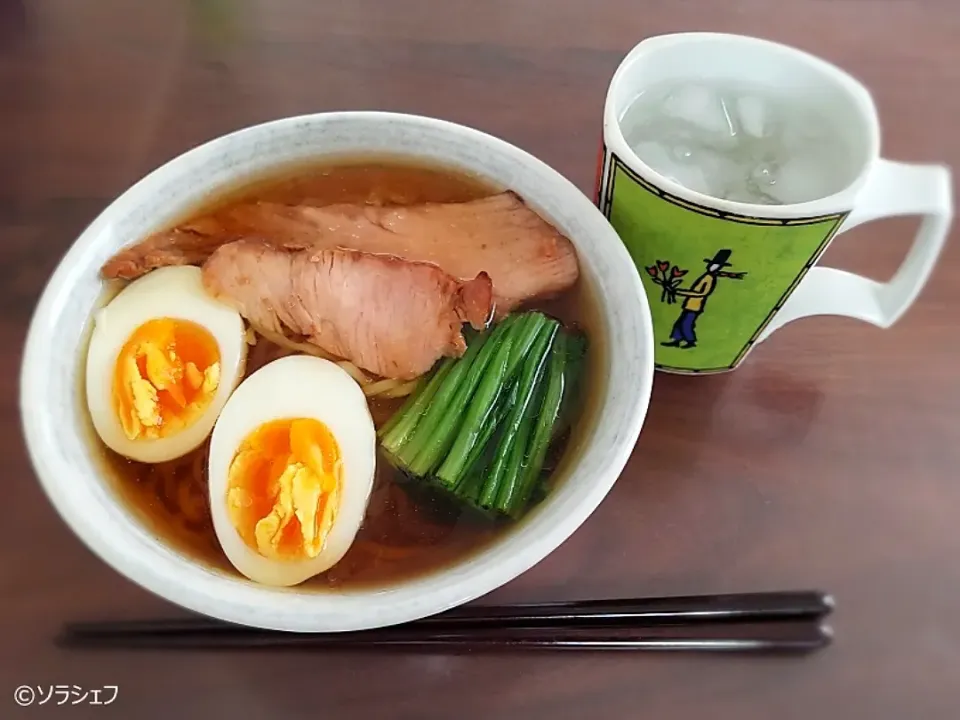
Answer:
(68, 461)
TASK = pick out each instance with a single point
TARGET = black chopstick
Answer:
(805, 638)
(634, 612)
(645, 612)
(541, 625)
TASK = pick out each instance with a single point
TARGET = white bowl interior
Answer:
(71, 470)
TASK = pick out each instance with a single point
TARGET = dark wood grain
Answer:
(829, 460)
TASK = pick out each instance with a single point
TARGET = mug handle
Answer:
(892, 189)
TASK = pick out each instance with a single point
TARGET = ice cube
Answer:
(764, 175)
(738, 190)
(720, 171)
(800, 179)
(802, 131)
(692, 177)
(655, 155)
(729, 117)
(699, 106)
(754, 116)
(662, 158)
(682, 153)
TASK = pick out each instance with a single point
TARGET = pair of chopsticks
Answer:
(751, 622)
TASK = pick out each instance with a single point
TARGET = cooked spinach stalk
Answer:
(480, 426)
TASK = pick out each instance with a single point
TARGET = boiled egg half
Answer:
(164, 357)
(291, 467)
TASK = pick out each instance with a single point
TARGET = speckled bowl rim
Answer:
(72, 476)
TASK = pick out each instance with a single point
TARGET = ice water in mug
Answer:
(737, 142)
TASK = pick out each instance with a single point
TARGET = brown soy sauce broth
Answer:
(409, 530)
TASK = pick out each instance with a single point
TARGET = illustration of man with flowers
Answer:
(684, 332)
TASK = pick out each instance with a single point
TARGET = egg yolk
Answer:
(283, 488)
(166, 374)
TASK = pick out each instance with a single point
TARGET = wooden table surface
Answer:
(829, 460)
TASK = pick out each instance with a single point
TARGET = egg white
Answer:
(297, 386)
(170, 292)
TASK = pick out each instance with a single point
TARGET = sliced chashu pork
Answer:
(524, 256)
(388, 316)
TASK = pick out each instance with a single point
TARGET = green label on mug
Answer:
(714, 279)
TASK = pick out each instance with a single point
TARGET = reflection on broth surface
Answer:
(411, 527)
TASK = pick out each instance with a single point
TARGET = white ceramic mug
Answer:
(756, 263)
(69, 463)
